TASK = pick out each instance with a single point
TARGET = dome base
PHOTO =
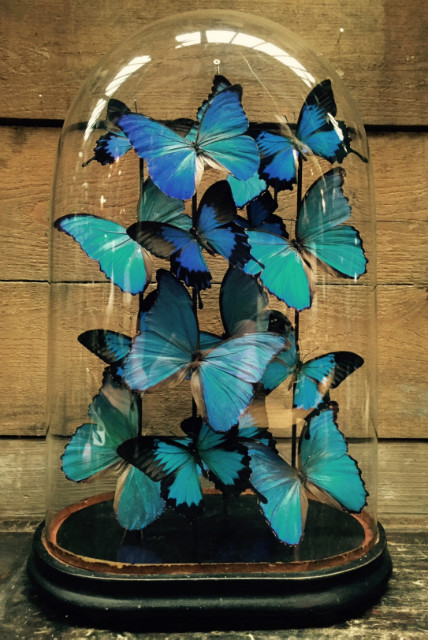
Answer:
(185, 596)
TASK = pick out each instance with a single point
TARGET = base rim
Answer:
(220, 601)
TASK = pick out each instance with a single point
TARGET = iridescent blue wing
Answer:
(282, 366)
(317, 127)
(137, 501)
(156, 206)
(285, 274)
(222, 386)
(216, 228)
(119, 257)
(219, 83)
(243, 191)
(243, 303)
(225, 458)
(163, 351)
(93, 447)
(114, 144)
(208, 340)
(278, 164)
(261, 215)
(311, 378)
(320, 231)
(220, 138)
(282, 496)
(179, 245)
(172, 461)
(109, 148)
(110, 346)
(330, 472)
(171, 159)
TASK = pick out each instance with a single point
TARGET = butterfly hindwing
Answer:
(330, 472)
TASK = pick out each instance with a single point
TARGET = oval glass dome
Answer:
(213, 315)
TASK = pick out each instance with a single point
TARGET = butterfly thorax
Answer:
(296, 244)
(201, 240)
(197, 358)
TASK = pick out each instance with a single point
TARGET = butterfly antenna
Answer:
(361, 157)
(85, 164)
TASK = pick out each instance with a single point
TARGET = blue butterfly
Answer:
(114, 144)
(176, 164)
(214, 231)
(318, 132)
(180, 462)
(243, 308)
(168, 351)
(312, 378)
(325, 470)
(260, 216)
(121, 258)
(92, 451)
(321, 238)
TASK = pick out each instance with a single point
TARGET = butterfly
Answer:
(119, 257)
(92, 451)
(168, 351)
(214, 230)
(321, 238)
(325, 470)
(317, 132)
(242, 190)
(312, 378)
(176, 164)
(114, 144)
(178, 463)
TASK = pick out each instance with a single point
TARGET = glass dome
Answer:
(212, 344)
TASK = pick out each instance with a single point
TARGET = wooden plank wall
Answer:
(379, 48)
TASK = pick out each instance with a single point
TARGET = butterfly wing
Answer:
(242, 303)
(220, 138)
(92, 449)
(317, 127)
(331, 474)
(321, 233)
(278, 165)
(216, 227)
(110, 346)
(164, 349)
(170, 460)
(156, 206)
(109, 148)
(243, 191)
(119, 257)
(253, 425)
(137, 502)
(285, 274)
(261, 215)
(284, 502)
(171, 159)
(282, 366)
(222, 386)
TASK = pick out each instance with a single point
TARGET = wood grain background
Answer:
(48, 50)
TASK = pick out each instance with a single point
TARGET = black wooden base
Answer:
(209, 602)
